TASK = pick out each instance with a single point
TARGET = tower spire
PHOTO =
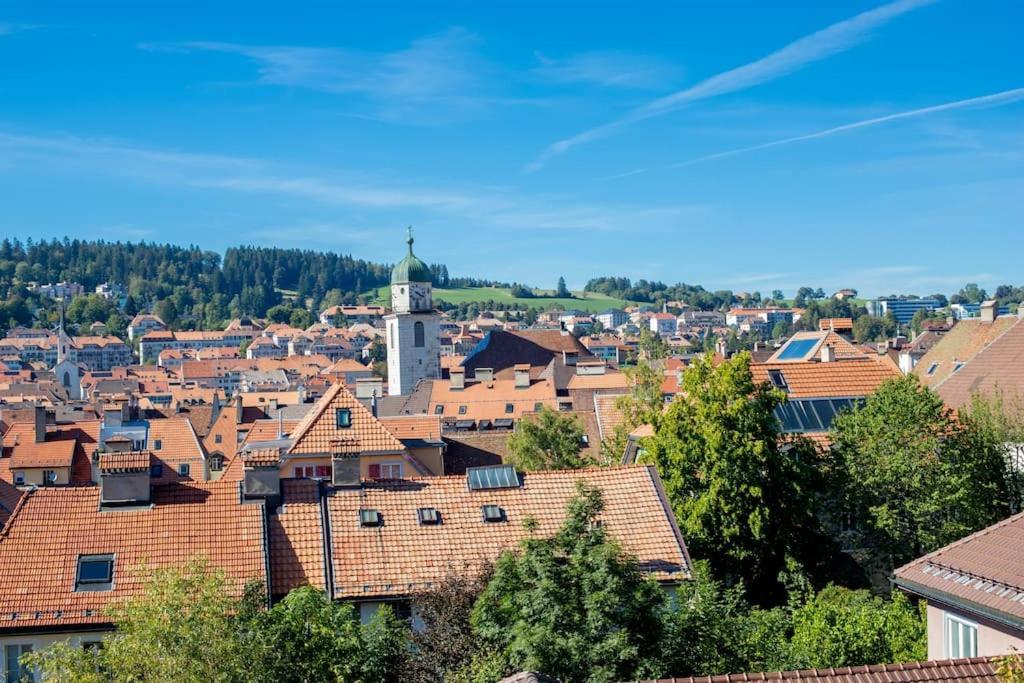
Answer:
(409, 240)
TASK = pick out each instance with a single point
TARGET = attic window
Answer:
(462, 410)
(493, 513)
(95, 573)
(19, 478)
(183, 469)
(429, 516)
(439, 409)
(778, 380)
(158, 444)
(156, 471)
(933, 367)
(369, 517)
(343, 418)
(957, 366)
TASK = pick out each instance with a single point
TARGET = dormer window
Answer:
(183, 469)
(95, 573)
(342, 418)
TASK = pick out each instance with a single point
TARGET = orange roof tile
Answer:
(960, 344)
(402, 556)
(319, 433)
(128, 460)
(609, 415)
(46, 454)
(425, 427)
(490, 400)
(262, 457)
(974, 670)
(838, 379)
(609, 380)
(54, 526)
(296, 538)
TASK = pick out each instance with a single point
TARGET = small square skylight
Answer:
(369, 517)
(493, 513)
(429, 516)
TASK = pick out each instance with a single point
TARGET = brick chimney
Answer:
(458, 378)
(238, 409)
(989, 310)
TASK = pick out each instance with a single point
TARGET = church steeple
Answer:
(63, 340)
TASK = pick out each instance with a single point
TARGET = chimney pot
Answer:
(458, 378)
(40, 424)
(828, 353)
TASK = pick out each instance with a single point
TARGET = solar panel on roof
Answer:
(798, 349)
(493, 477)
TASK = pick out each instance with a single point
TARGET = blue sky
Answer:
(748, 145)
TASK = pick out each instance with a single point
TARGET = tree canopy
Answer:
(547, 441)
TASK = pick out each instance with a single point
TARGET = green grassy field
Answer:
(584, 301)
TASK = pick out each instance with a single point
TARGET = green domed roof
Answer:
(410, 269)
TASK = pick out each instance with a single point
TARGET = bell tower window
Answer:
(418, 335)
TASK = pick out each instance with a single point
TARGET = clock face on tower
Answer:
(419, 297)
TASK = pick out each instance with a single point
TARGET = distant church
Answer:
(412, 327)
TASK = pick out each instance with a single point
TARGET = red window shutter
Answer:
(374, 471)
(323, 471)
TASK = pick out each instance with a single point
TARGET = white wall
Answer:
(41, 641)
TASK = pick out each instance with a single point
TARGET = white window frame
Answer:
(954, 627)
(23, 674)
(391, 470)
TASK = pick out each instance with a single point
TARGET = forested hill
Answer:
(190, 285)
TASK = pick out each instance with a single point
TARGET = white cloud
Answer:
(807, 50)
(473, 204)
(994, 100)
(606, 69)
(414, 84)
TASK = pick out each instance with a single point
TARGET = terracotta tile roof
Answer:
(983, 572)
(976, 670)
(489, 400)
(54, 526)
(262, 457)
(609, 380)
(960, 344)
(402, 556)
(179, 445)
(46, 454)
(83, 434)
(296, 538)
(318, 433)
(997, 366)
(423, 427)
(839, 379)
(609, 415)
(835, 324)
(266, 430)
(128, 460)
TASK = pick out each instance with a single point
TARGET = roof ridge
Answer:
(977, 534)
(977, 353)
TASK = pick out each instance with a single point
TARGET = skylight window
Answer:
(957, 366)
(933, 367)
(509, 408)
(95, 573)
(342, 418)
(492, 477)
(462, 410)
(493, 513)
(429, 516)
(369, 517)
(778, 380)
(439, 409)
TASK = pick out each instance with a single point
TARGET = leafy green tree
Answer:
(912, 476)
(998, 421)
(309, 637)
(843, 627)
(445, 648)
(641, 405)
(869, 328)
(279, 313)
(1010, 668)
(300, 318)
(743, 502)
(651, 345)
(167, 311)
(547, 441)
(562, 291)
(573, 606)
(197, 644)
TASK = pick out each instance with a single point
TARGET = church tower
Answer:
(412, 327)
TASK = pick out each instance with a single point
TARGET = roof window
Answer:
(492, 477)
(493, 513)
(933, 367)
(95, 573)
(778, 380)
(369, 517)
(429, 516)
(342, 418)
